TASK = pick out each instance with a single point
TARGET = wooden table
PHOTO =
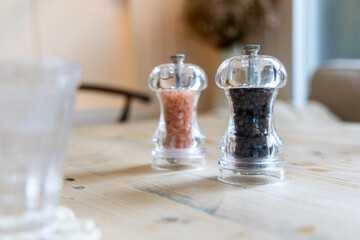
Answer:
(115, 185)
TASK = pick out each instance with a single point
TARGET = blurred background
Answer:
(119, 42)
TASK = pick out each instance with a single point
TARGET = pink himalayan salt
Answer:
(178, 115)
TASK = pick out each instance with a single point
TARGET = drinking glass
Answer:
(36, 101)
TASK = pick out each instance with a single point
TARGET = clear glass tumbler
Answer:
(36, 101)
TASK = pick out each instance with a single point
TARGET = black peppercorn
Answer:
(252, 111)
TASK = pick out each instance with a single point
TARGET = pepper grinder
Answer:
(251, 146)
(178, 139)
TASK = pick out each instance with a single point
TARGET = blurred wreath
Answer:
(226, 22)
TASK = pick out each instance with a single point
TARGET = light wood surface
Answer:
(114, 184)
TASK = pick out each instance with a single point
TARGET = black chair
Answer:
(129, 95)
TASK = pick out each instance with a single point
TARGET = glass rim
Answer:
(38, 68)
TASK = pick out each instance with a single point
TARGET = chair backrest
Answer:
(336, 84)
(129, 96)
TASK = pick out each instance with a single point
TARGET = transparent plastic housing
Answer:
(174, 76)
(251, 146)
(251, 71)
(178, 139)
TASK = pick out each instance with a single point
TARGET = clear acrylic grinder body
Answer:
(178, 139)
(251, 146)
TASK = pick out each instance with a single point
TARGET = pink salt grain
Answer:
(178, 115)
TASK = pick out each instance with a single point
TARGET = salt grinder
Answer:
(251, 146)
(178, 139)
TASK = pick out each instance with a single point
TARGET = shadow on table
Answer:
(143, 187)
(170, 184)
(144, 177)
(90, 173)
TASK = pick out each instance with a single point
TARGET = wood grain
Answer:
(112, 182)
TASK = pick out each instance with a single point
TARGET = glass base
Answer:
(64, 225)
(29, 224)
(250, 172)
(179, 159)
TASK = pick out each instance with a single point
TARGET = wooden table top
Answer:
(114, 184)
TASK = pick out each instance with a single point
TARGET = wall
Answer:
(277, 42)
(15, 29)
(119, 42)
